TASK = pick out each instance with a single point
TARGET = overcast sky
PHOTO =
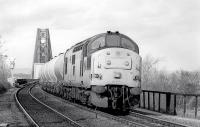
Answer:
(167, 29)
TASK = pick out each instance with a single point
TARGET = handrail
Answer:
(148, 101)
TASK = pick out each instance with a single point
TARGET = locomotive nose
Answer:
(118, 59)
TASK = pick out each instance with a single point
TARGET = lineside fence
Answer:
(186, 105)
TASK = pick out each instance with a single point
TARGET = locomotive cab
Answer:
(115, 71)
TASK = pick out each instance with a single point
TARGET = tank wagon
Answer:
(102, 71)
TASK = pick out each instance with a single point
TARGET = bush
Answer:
(181, 81)
(160, 80)
(4, 86)
(2, 89)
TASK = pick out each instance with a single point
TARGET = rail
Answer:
(35, 102)
(140, 121)
(29, 118)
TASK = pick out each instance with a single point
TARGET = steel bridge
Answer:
(43, 52)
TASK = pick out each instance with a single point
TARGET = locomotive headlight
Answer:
(137, 78)
(108, 62)
(126, 63)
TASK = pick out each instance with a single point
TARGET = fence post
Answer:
(174, 104)
(140, 102)
(196, 106)
(64, 91)
(168, 100)
(143, 99)
(148, 101)
(153, 101)
(74, 94)
(158, 102)
(184, 101)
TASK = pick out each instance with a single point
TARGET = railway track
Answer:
(133, 119)
(40, 114)
(162, 122)
(100, 113)
(37, 112)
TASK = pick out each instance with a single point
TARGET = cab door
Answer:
(73, 67)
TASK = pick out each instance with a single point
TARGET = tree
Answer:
(4, 69)
(189, 82)
(149, 72)
(160, 80)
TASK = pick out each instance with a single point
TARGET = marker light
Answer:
(126, 63)
(108, 62)
(117, 75)
(137, 78)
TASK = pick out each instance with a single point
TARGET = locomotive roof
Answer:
(101, 35)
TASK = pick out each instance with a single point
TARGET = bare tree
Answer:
(178, 81)
(189, 82)
(149, 71)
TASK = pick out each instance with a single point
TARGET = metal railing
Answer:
(169, 102)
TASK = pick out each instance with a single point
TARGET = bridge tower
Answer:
(42, 53)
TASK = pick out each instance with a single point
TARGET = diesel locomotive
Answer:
(102, 71)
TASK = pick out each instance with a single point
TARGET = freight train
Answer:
(102, 71)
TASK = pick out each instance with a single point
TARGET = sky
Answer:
(165, 29)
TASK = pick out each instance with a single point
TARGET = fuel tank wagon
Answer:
(102, 71)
